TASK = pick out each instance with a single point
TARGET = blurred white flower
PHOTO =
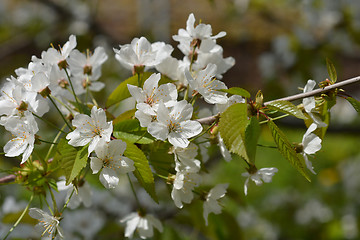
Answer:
(263, 174)
(186, 179)
(82, 194)
(211, 204)
(143, 224)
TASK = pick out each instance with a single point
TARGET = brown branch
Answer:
(211, 119)
(317, 91)
(7, 179)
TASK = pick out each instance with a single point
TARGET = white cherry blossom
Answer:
(175, 124)
(211, 204)
(90, 129)
(90, 65)
(310, 144)
(110, 162)
(201, 31)
(186, 179)
(139, 54)
(205, 84)
(263, 174)
(59, 57)
(24, 131)
(144, 224)
(309, 104)
(47, 224)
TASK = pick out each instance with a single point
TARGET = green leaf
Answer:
(71, 160)
(160, 159)
(140, 137)
(237, 91)
(355, 103)
(142, 169)
(125, 115)
(83, 107)
(252, 134)
(287, 150)
(232, 126)
(286, 107)
(122, 92)
(331, 71)
(127, 125)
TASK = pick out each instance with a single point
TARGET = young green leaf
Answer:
(142, 169)
(252, 134)
(331, 71)
(71, 159)
(237, 91)
(232, 128)
(287, 150)
(127, 125)
(355, 103)
(140, 137)
(125, 115)
(121, 92)
(286, 107)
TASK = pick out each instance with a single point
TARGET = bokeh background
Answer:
(278, 45)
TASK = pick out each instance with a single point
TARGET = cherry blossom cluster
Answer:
(166, 111)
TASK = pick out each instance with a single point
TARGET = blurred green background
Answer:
(278, 45)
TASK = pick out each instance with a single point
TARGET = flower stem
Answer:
(20, 218)
(72, 89)
(277, 118)
(53, 199)
(52, 146)
(62, 116)
(203, 131)
(67, 202)
(133, 190)
(48, 122)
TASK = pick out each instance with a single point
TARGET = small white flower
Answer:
(207, 86)
(53, 56)
(90, 65)
(186, 179)
(47, 224)
(111, 162)
(149, 96)
(264, 174)
(175, 125)
(311, 144)
(90, 129)
(310, 104)
(144, 225)
(139, 53)
(24, 131)
(211, 203)
(201, 31)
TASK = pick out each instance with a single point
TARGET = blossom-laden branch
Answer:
(211, 119)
